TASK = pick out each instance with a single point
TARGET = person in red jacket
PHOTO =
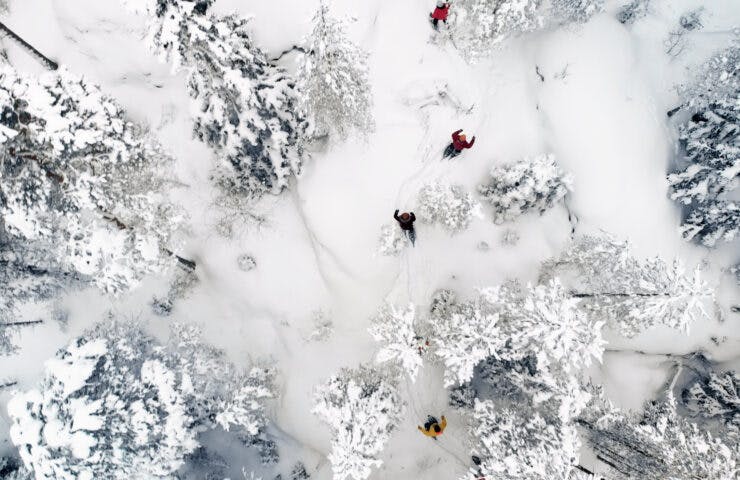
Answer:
(406, 222)
(459, 143)
(440, 13)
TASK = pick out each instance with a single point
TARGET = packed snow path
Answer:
(600, 110)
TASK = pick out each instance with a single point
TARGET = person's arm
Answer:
(420, 429)
(472, 141)
(413, 217)
(443, 423)
(395, 215)
(455, 134)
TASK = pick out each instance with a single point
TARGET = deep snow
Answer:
(604, 119)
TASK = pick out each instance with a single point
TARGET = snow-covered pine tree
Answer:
(12, 469)
(484, 24)
(107, 408)
(530, 389)
(510, 324)
(711, 139)
(246, 108)
(449, 205)
(575, 11)
(336, 96)
(518, 188)
(395, 330)
(464, 333)
(635, 295)
(362, 407)
(633, 11)
(657, 445)
(223, 393)
(512, 443)
(83, 198)
(116, 405)
(716, 397)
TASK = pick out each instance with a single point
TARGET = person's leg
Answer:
(434, 22)
(412, 237)
(448, 151)
(455, 153)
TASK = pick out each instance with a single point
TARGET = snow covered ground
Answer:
(596, 96)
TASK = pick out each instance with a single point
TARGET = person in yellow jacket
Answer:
(433, 428)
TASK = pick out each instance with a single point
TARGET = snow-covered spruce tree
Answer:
(484, 24)
(246, 109)
(514, 444)
(711, 139)
(630, 294)
(449, 205)
(657, 445)
(336, 96)
(518, 188)
(83, 198)
(575, 11)
(116, 405)
(395, 330)
(716, 397)
(362, 407)
(633, 11)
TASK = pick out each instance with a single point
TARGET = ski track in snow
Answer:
(604, 121)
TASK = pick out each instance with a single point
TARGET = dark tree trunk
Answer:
(21, 324)
(49, 63)
(614, 294)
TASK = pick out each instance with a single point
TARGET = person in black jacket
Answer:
(406, 221)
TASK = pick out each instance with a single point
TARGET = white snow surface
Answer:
(600, 110)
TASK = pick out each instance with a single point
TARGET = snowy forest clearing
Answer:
(299, 290)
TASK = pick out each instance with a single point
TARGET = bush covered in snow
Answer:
(656, 444)
(575, 11)
(633, 11)
(395, 330)
(114, 404)
(333, 80)
(525, 186)
(82, 197)
(245, 108)
(392, 240)
(635, 295)
(711, 139)
(484, 24)
(246, 262)
(362, 407)
(448, 205)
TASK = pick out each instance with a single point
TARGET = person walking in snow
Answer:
(459, 143)
(440, 13)
(432, 427)
(406, 221)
